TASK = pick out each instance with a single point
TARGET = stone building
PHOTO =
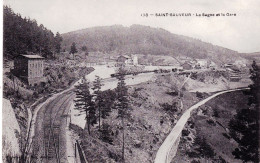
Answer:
(126, 60)
(29, 68)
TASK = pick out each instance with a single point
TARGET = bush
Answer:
(194, 76)
(204, 149)
(170, 108)
(172, 93)
(185, 132)
(215, 113)
(35, 95)
(211, 122)
(114, 156)
(199, 95)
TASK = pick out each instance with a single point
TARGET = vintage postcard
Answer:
(133, 81)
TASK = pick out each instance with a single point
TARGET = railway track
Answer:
(52, 127)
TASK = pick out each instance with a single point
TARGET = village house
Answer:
(202, 63)
(29, 68)
(125, 60)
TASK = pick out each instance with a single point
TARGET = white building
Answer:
(203, 63)
(126, 60)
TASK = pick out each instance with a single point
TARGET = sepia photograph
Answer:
(130, 81)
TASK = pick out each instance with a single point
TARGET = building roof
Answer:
(125, 56)
(33, 56)
(186, 62)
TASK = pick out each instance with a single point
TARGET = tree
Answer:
(204, 148)
(58, 40)
(106, 133)
(244, 126)
(98, 99)
(73, 49)
(85, 49)
(122, 103)
(109, 97)
(84, 102)
(22, 35)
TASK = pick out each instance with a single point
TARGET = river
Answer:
(108, 83)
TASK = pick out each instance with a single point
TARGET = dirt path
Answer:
(170, 145)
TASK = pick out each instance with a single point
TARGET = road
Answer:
(170, 144)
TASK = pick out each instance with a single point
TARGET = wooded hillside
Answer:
(145, 40)
(22, 35)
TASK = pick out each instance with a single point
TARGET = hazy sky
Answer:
(240, 33)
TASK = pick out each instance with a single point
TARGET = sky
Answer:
(240, 33)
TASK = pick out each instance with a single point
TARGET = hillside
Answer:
(145, 40)
(210, 122)
(23, 35)
(252, 56)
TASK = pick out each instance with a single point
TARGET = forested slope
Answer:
(23, 35)
(145, 40)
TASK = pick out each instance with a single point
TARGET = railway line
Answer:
(49, 139)
(52, 125)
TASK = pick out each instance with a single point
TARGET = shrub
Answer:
(215, 113)
(172, 93)
(185, 132)
(199, 95)
(114, 156)
(204, 149)
(211, 122)
(172, 108)
(195, 161)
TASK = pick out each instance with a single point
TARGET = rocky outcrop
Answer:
(11, 131)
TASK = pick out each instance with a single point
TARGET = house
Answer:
(234, 78)
(212, 65)
(90, 64)
(125, 60)
(187, 65)
(202, 63)
(29, 68)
